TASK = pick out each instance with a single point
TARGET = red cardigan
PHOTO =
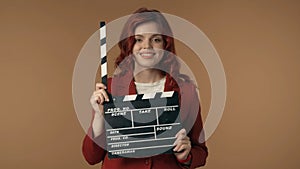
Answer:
(190, 110)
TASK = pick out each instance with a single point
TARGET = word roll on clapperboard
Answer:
(139, 125)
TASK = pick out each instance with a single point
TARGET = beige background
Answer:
(258, 42)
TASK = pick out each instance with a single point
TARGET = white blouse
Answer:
(143, 88)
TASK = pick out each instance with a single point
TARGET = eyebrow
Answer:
(140, 35)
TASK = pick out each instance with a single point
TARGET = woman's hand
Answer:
(98, 97)
(182, 145)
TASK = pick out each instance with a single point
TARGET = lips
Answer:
(147, 55)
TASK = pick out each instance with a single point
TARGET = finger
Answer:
(176, 141)
(100, 86)
(181, 133)
(181, 139)
(94, 98)
(101, 98)
(180, 149)
(177, 145)
(105, 95)
(181, 143)
(98, 97)
(186, 139)
(183, 148)
(176, 148)
(184, 142)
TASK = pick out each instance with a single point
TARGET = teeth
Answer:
(147, 54)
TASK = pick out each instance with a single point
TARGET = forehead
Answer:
(147, 28)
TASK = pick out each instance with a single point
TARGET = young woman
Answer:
(147, 64)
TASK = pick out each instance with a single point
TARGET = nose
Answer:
(147, 44)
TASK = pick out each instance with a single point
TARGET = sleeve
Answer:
(199, 150)
(92, 152)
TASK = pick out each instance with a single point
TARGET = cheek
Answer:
(159, 46)
(160, 52)
(160, 56)
(135, 48)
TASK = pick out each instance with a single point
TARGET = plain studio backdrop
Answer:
(258, 43)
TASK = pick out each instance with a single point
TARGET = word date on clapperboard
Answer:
(142, 125)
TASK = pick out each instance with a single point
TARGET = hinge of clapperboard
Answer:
(103, 54)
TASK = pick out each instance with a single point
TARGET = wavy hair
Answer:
(125, 59)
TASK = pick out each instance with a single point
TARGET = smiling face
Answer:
(148, 48)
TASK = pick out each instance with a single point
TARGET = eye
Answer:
(157, 40)
(138, 40)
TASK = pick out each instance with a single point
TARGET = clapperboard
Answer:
(140, 125)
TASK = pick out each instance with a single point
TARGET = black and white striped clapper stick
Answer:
(103, 52)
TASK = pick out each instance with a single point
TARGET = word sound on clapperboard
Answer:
(142, 125)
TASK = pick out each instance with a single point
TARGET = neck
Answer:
(148, 76)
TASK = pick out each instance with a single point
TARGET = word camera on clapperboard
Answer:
(139, 125)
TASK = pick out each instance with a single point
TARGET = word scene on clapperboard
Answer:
(140, 125)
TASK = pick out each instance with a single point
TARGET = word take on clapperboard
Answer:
(140, 125)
